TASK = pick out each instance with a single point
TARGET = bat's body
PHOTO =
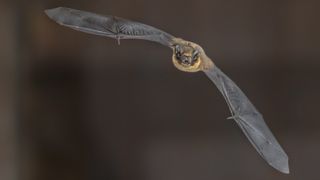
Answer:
(188, 57)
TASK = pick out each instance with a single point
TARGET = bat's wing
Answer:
(109, 26)
(249, 120)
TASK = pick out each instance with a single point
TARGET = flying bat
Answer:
(189, 57)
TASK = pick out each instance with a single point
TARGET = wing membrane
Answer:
(249, 120)
(106, 25)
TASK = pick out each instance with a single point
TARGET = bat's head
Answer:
(186, 57)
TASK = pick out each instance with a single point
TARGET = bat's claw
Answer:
(118, 40)
(234, 116)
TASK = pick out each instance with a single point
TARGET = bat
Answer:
(188, 57)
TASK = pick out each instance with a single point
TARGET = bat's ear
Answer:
(174, 46)
(177, 48)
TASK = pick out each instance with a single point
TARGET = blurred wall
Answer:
(77, 106)
(8, 90)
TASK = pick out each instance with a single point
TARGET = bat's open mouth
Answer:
(186, 65)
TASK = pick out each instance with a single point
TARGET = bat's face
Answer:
(186, 58)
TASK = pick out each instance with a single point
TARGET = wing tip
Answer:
(51, 13)
(54, 12)
(282, 165)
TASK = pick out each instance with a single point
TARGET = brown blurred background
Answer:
(78, 106)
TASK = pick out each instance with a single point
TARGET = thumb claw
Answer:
(118, 40)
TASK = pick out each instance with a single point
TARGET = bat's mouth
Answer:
(186, 60)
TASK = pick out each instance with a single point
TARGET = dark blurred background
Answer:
(78, 106)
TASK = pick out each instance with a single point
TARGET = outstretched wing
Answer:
(249, 120)
(109, 26)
